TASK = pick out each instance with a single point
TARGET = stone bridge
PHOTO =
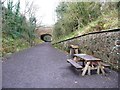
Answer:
(45, 33)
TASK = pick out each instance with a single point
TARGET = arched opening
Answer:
(46, 37)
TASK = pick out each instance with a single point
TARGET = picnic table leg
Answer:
(89, 69)
(71, 52)
(98, 70)
(76, 51)
(101, 68)
(75, 59)
(86, 68)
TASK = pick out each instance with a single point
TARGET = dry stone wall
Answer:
(99, 44)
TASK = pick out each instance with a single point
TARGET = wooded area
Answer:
(18, 30)
(74, 18)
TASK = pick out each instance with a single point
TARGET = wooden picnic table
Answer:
(88, 63)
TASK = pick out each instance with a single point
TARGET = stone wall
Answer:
(98, 44)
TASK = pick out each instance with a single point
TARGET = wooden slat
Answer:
(72, 62)
(104, 64)
(86, 68)
(101, 68)
(87, 57)
(74, 46)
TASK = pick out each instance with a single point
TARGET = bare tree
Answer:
(2, 2)
(30, 9)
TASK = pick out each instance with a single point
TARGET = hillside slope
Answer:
(106, 21)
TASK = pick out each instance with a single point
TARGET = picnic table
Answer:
(74, 49)
(88, 63)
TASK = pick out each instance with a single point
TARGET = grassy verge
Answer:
(15, 45)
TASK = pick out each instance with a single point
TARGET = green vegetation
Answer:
(18, 32)
(78, 18)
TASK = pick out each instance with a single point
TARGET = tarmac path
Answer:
(43, 66)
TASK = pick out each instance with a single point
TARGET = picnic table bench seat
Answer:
(104, 64)
(73, 63)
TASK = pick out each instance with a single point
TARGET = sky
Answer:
(45, 10)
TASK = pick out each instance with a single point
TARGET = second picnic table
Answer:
(88, 62)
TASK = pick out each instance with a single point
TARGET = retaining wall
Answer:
(99, 44)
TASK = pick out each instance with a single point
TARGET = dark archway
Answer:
(46, 37)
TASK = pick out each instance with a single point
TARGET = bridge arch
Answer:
(46, 37)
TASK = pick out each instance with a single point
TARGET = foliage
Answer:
(77, 18)
(18, 32)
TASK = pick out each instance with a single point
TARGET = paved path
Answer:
(43, 66)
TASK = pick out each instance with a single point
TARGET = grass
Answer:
(15, 45)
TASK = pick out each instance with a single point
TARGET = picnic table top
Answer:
(87, 57)
(74, 46)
